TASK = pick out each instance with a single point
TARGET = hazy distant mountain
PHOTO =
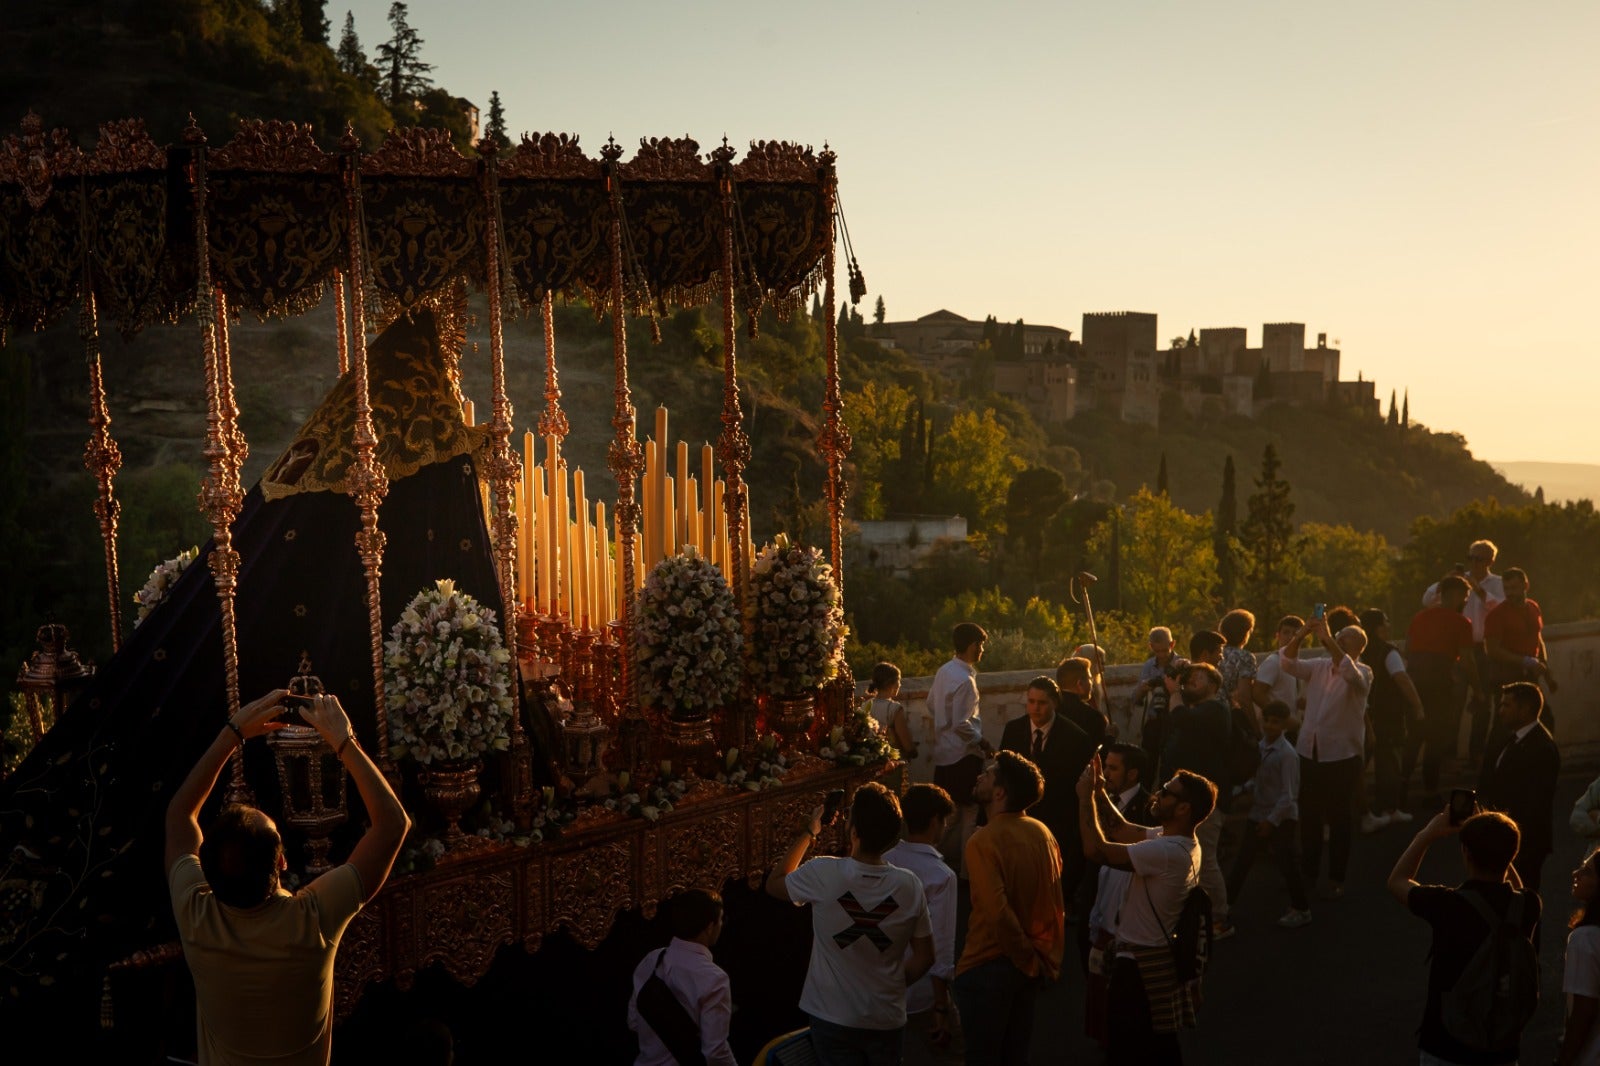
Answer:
(1560, 481)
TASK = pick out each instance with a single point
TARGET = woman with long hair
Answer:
(1580, 1042)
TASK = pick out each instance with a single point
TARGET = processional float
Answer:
(135, 233)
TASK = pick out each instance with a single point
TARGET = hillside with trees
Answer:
(1306, 504)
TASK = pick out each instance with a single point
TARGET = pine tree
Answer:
(1394, 411)
(405, 75)
(495, 131)
(1405, 412)
(1267, 534)
(352, 60)
(1227, 523)
(314, 25)
(1161, 476)
(879, 312)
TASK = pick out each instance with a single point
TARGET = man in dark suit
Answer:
(1060, 750)
(1520, 766)
(1075, 679)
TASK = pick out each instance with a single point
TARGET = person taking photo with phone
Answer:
(865, 913)
(262, 958)
(1483, 970)
(1330, 745)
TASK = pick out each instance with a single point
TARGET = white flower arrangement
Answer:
(799, 620)
(858, 741)
(160, 582)
(760, 770)
(447, 679)
(688, 639)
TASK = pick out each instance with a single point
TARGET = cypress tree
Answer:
(1227, 522)
(1405, 412)
(1267, 534)
(495, 130)
(1394, 411)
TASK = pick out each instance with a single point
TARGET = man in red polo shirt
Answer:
(1438, 638)
(1513, 636)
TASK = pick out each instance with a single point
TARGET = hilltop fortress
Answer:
(1119, 368)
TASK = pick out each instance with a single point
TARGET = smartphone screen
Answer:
(1463, 801)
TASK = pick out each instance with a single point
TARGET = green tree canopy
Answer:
(1338, 564)
(1167, 568)
(973, 465)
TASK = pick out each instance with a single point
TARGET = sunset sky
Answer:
(1418, 180)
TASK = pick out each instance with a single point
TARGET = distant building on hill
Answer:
(1118, 367)
(898, 544)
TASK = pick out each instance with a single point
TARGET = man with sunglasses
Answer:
(1146, 1005)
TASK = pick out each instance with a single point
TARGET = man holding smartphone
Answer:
(865, 913)
(1330, 745)
(262, 959)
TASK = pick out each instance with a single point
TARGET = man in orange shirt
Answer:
(1017, 928)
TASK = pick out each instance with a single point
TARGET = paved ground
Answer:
(1346, 989)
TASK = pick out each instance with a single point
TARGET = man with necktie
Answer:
(1520, 767)
(1060, 749)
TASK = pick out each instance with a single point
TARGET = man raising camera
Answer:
(262, 959)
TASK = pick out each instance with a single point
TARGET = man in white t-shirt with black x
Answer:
(1145, 1004)
(864, 914)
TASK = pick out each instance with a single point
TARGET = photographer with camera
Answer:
(262, 959)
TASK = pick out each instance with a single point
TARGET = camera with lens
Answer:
(1176, 666)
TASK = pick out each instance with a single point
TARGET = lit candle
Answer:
(563, 544)
(550, 561)
(645, 544)
(669, 527)
(580, 597)
(525, 526)
(663, 493)
(719, 530)
(749, 543)
(708, 477)
(602, 586)
(540, 517)
(685, 535)
(691, 517)
(467, 412)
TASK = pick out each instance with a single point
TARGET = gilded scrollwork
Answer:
(417, 152)
(775, 161)
(421, 236)
(125, 146)
(35, 159)
(590, 886)
(275, 240)
(361, 959)
(274, 146)
(465, 920)
(666, 159)
(549, 155)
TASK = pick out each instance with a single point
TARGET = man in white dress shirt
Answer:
(699, 985)
(1330, 745)
(959, 747)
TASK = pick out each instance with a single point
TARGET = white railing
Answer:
(1574, 650)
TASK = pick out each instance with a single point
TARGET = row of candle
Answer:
(567, 564)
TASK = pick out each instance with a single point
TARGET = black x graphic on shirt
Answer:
(864, 922)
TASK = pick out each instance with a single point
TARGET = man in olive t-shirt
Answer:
(262, 959)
